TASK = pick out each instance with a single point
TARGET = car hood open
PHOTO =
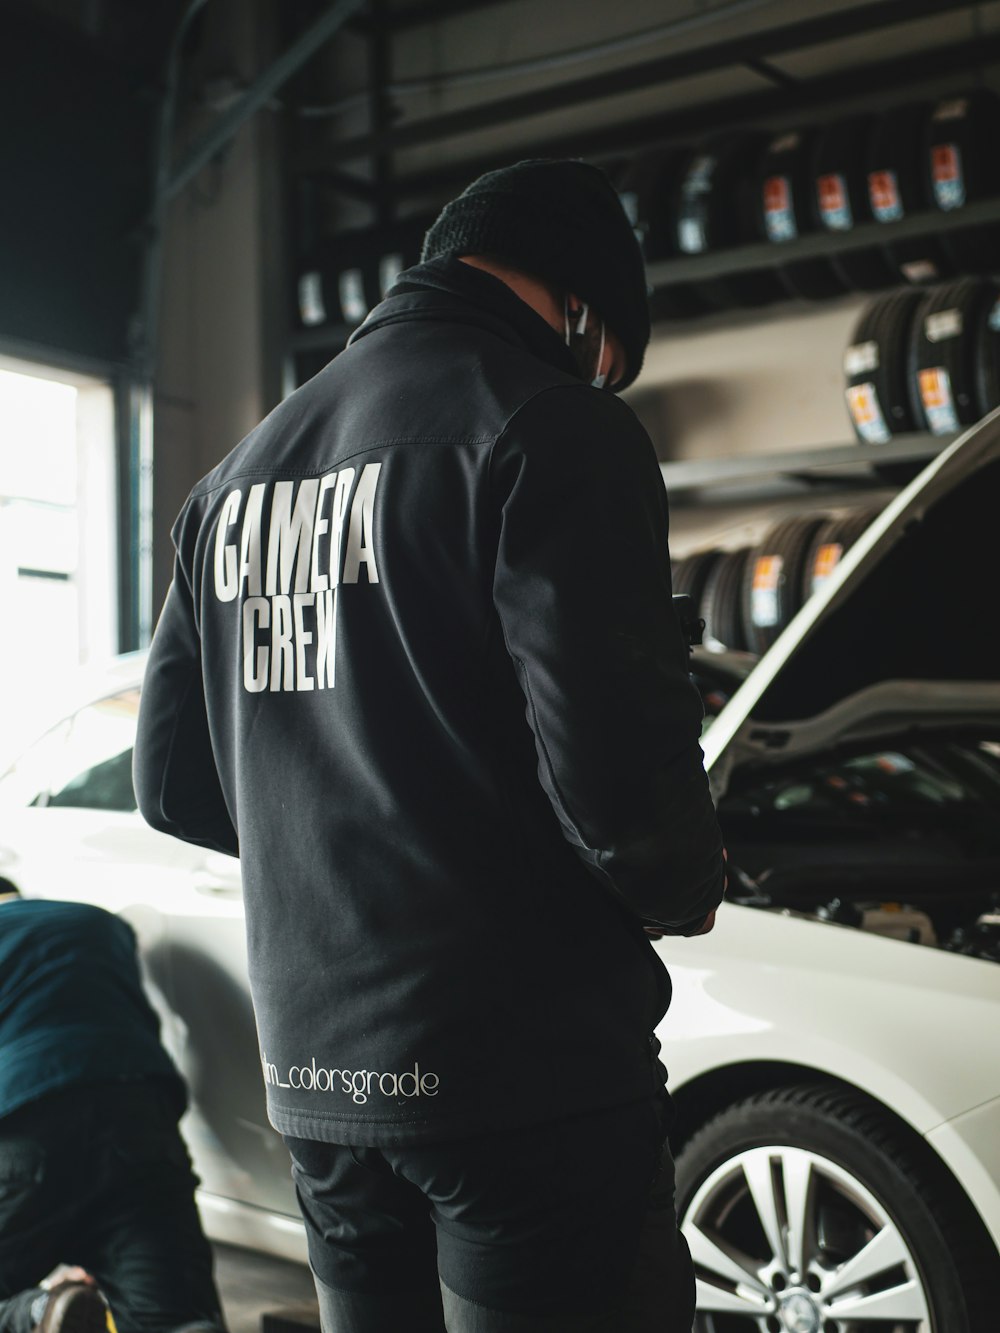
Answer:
(904, 633)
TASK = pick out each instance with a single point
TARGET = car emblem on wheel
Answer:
(799, 1314)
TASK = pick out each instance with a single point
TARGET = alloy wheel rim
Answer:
(757, 1230)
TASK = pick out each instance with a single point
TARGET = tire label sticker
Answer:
(779, 217)
(785, 142)
(939, 405)
(389, 269)
(311, 308)
(944, 324)
(956, 109)
(919, 270)
(861, 359)
(764, 593)
(883, 190)
(946, 172)
(866, 413)
(351, 286)
(692, 235)
(834, 204)
(826, 561)
(630, 203)
(893, 762)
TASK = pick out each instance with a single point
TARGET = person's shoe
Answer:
(71, 1307)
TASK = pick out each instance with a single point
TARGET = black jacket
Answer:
(420, 651)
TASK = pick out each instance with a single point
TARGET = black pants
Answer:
(99, 1176)
(565, 1227)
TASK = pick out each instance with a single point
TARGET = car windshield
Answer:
(85, 762)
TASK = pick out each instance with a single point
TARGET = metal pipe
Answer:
(706, 59)
(136, 611)
(261, 91)
(138, 606)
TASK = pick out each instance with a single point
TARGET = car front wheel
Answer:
(808, 1210)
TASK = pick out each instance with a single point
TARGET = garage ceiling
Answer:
(413, 98)
(467, 87)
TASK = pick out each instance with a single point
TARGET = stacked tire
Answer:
(784, 193)
(351, 272)
(748, 596)
(737, 189)
(924, 362)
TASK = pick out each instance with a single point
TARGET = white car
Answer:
(834, 1043)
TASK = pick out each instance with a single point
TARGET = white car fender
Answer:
(969, 1145)
(914, 1027)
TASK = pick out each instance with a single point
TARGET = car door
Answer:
(236, 1152)
(69, 829)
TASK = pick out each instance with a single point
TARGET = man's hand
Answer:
(67, 1273)
(708, 924)
(704, 928)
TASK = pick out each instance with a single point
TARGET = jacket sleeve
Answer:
(176, 782)
(583, 591)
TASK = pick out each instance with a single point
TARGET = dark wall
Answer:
(73, 187)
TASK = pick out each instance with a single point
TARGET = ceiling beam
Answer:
(703, 60)
(434, 11)
(923, 75)
(260, 92)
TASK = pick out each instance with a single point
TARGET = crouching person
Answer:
(93, 1171)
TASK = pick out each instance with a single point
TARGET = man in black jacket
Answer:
(419, 665)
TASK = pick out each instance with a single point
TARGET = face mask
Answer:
(578, 331)
(600, 379)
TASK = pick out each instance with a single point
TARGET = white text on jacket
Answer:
(286, 570)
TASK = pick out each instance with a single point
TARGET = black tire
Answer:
(784, 212)
(342, 284)
(691, 576)
(896, 166)
(862, 1173)
(772, 579)
(840, 200)
(988, 352)
(352, 271)
(876, 361)
(722, 601)
(711, 209)
(645, 184)
(962, 167)
(825, 553)
(829, 546)
(943, 353)
(647, 187)
(881, 401)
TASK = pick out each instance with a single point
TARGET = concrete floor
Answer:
(251, 1284)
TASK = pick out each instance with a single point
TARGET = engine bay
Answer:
(899, 837)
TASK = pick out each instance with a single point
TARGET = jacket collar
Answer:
(445, 288)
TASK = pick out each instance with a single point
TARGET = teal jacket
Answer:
(72, 1007)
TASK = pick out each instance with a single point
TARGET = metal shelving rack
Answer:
(697, 474)
(787, 101)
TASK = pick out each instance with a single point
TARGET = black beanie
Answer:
(561, 221)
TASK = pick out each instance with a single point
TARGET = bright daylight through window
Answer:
(57, 540)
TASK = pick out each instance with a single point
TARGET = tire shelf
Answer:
(695, 474)
(321, 337)
(817, 245)
(747, 258)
